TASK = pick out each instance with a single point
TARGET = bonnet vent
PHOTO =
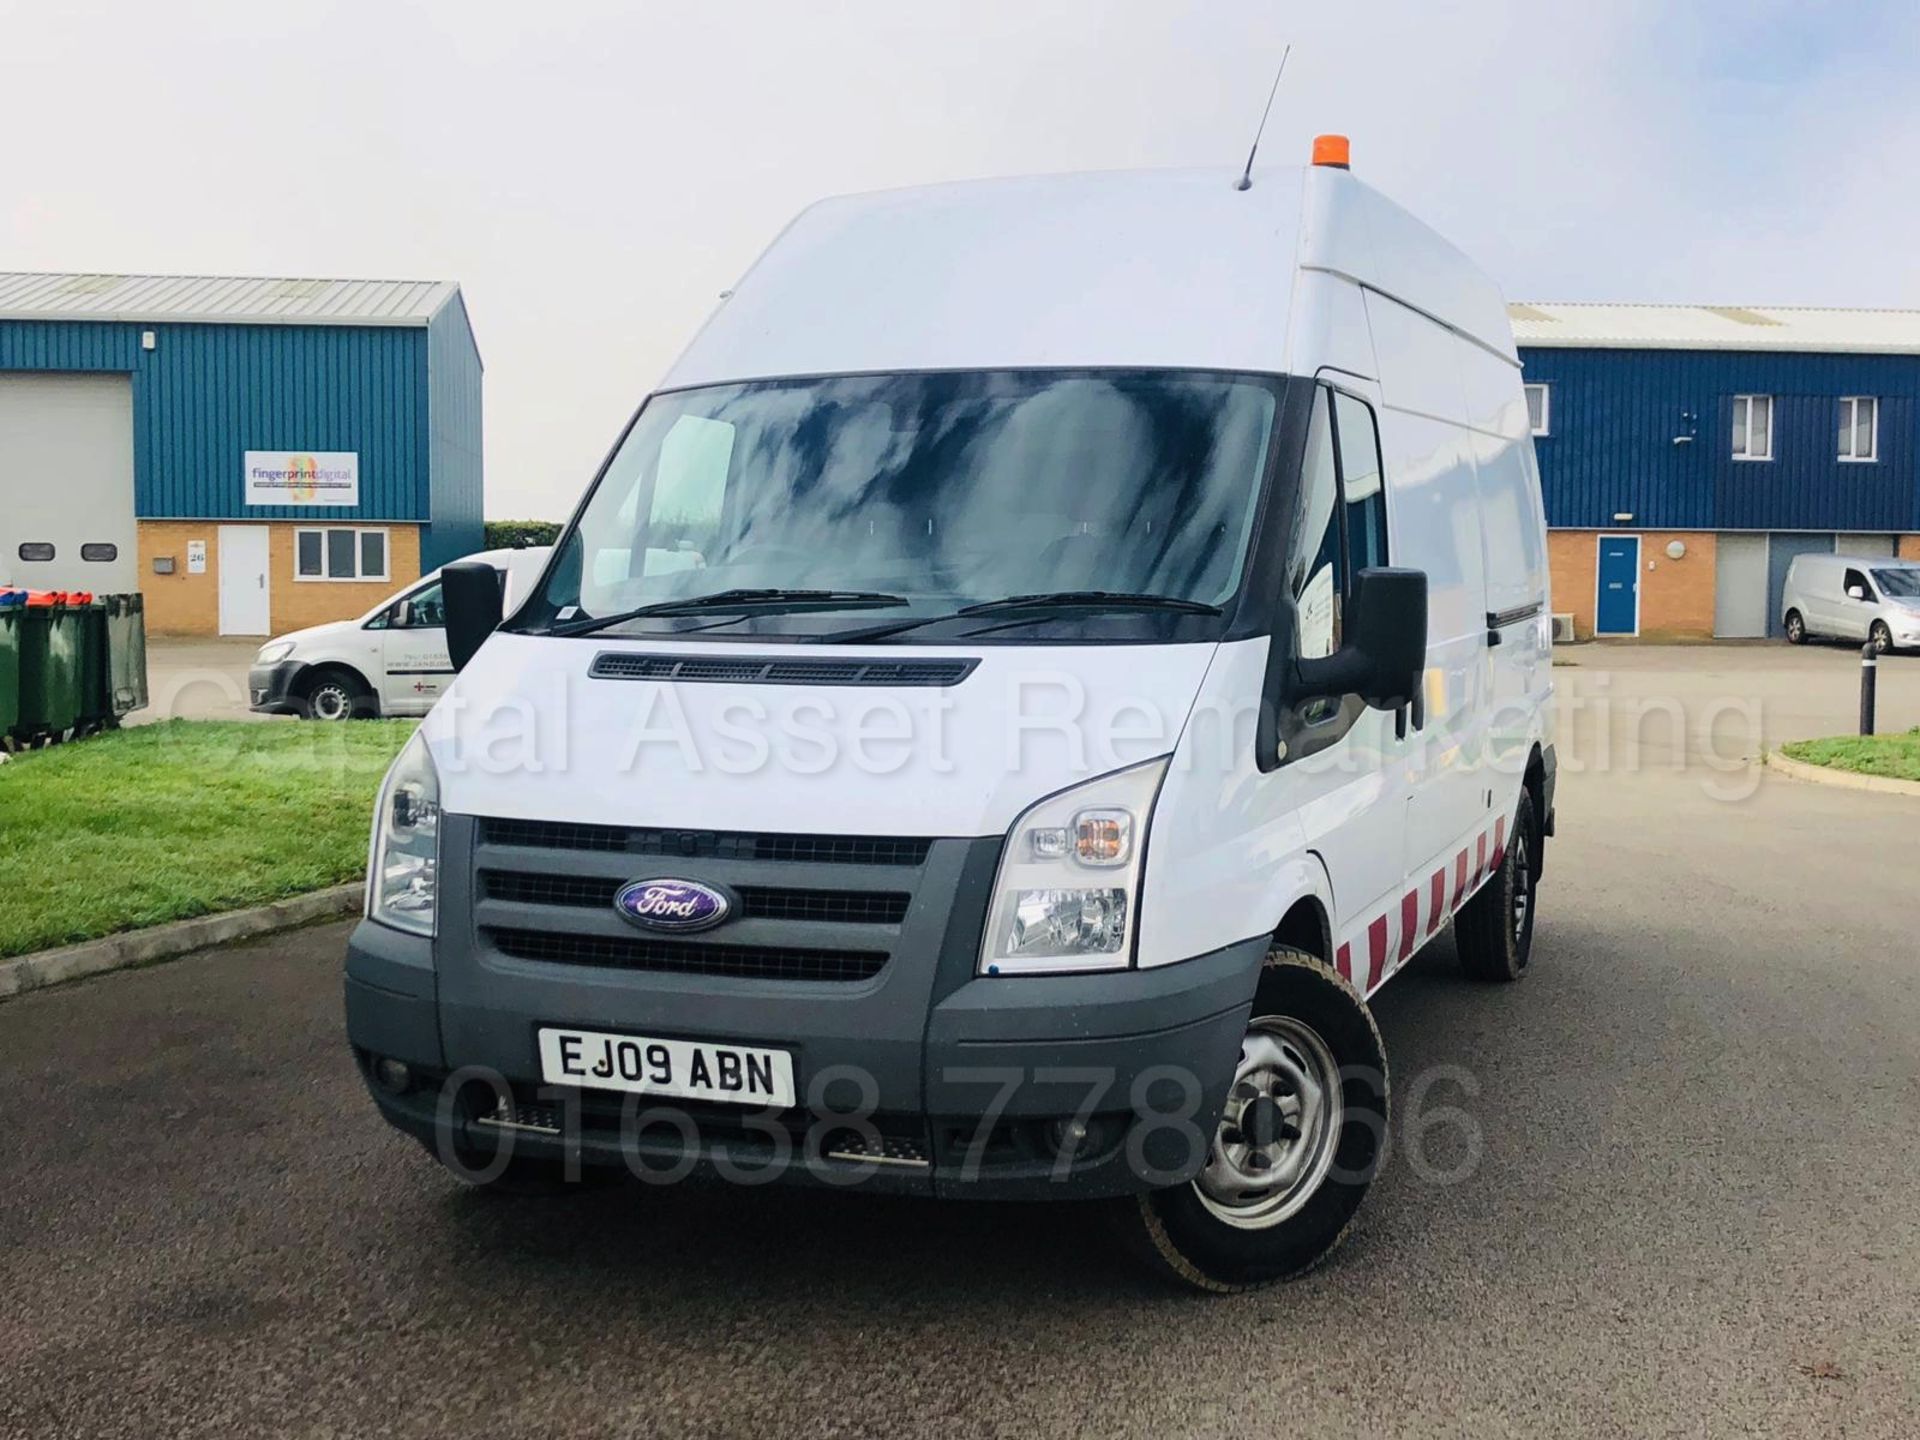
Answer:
(778, 670)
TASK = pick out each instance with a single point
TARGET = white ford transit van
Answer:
(1852, 597)
(1048, 652)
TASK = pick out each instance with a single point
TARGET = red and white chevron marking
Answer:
(1386, 941)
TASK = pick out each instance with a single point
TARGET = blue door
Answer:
(1618, 610)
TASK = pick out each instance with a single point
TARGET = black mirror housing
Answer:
(471, 592)
(1385, 653)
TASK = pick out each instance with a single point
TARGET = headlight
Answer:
(273, 650)
(405, 857)
(1069, 881)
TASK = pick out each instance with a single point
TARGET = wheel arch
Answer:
(1303, 901)
(319, 670)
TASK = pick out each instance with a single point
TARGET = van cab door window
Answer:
(1342, 530)
(1855, 586)
(1316, 576)
(1361, 482)
(422, 610)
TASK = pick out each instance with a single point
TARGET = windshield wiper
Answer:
(771, 601)
(1089, 600)
(1015, 604)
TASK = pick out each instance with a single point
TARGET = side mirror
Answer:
(1385, 652)
(470, 590)
(1854, 592)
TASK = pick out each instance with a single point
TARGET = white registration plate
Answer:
(680, 1069)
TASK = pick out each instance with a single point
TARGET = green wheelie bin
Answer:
(96, 699)
(50, 676)
(10, 669)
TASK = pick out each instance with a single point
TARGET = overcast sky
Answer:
(594, 174)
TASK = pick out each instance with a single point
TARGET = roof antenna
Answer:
(1246, 176)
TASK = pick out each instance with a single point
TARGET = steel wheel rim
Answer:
(1522, 891)
(331, 702)
(1794, 627)
(1280, 1128)
(1882, 639)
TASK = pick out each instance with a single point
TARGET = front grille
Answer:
(685, 957)
(842, 907)
(708, 844)
(778, 670)
(759, 902)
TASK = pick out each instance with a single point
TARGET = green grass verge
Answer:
(161, 822)
(1895, 756)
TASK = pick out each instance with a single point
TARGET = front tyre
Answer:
(336, 693)
(1297, 1145)
(1494, 930)
(1796, 628)
(1881, 638)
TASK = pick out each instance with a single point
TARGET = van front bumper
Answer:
(271, 689)
(1029, 1088)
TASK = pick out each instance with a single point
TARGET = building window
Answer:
(1859, 428)
(99, 551)
(1753, 427)
(1539, 409)
(340, 553)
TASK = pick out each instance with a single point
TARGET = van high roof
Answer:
(1163, 269)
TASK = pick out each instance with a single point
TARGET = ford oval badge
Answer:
(667, 904)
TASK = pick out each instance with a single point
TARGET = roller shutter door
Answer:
(66, 482)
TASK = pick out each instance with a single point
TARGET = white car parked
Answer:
(1852, 597)
(390, 661)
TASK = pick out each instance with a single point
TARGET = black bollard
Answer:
(1869, 681)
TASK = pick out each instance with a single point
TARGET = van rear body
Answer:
(1046, 653)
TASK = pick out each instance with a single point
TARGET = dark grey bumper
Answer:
(272, 689)
(965, 1092)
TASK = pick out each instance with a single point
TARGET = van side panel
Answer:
(1330, 331)
(1351, 229)
(1514, 540)
(1433, 516)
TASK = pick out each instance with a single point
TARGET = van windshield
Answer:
(923, 492)
(1904, 583)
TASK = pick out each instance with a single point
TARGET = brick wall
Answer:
(1571, 557)
(1909, 547)
(1676, 596)
(183, 604)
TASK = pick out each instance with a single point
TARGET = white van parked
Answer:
(1852, 597)
(1118, 643)
(390, 661)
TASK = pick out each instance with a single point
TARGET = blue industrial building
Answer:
(1687, 453)
(252, 454)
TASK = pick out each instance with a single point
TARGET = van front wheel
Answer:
(1296, 1147)
(336, 693)
(1796, 628)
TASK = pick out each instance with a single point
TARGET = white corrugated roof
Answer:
(1717, 327)
(221, 299)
